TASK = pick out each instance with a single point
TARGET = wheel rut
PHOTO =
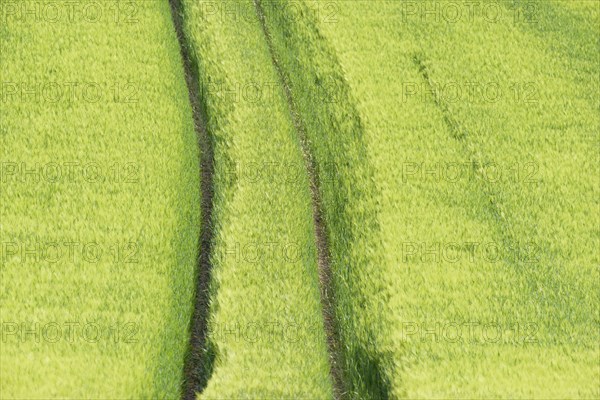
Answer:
(321, 240)
(198, 362)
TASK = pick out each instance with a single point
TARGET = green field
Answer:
(265, 308)
(449, 179)
(99, 211)
(403, 199)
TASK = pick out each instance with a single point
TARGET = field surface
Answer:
(473, 263)
(301, 199)
(266, 337)
(99, 212)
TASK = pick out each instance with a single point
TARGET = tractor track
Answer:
(321, 240)
(197, 362)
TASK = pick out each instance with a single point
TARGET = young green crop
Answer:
(538, 130)
(455, 146)
(99, 205)
(336, 137)
(452, 280)
(266, 336)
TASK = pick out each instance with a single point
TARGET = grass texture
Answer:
(452, 280)
(455, 146)
(266, 335)
(100, 203)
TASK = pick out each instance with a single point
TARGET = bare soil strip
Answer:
(198, 362)
(325, 273)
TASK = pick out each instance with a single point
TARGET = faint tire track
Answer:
(323, 255)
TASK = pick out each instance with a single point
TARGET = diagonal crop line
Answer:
(197, 363)
(459, 133)
(531, 268)
(325, 273)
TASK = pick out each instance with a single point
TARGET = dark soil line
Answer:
(325, 274)
(198, 361)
